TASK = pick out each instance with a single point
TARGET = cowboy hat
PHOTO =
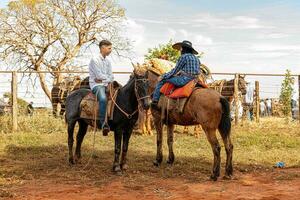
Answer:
(184, 43)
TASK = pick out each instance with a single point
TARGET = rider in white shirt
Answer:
(100, 72)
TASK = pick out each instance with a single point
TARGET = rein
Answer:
(129, 116)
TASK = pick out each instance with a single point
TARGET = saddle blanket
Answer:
(169, 89)
(90, 108)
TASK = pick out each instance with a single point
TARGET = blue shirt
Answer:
(188, 63)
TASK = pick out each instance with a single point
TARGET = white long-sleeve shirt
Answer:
(100, 68)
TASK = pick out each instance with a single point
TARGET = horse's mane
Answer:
(131, 78)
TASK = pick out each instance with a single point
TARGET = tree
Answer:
(164, 51)
(46, 35)
(286, 93)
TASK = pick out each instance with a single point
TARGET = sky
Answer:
(246, 36)
(259, 36)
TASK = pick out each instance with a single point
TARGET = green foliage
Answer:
(286, 93)
(164, 51)
(22, 104)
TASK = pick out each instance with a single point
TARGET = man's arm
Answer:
(95, 72)
(110, 76)
(180, 63)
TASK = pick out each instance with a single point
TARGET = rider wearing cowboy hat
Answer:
(187, 68)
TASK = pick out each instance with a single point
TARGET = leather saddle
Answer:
(176, 98)
(90, 106)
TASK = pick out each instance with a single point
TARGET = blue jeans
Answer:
(99, 91)
(178, 81)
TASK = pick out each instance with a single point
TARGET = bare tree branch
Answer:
(48, 35)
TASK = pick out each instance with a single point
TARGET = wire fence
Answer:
(29, 88)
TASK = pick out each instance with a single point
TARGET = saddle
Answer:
(170, 90)
(173, 98)
(90, 106)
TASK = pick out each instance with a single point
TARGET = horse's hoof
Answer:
(77, 160)
(227, 177)
(156, 163)
(214, 177)
(117, 169)
(71, 161)
(124, 167)
(170, 162)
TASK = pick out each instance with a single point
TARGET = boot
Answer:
(154, 105)
(105, 129)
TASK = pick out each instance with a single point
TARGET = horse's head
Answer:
(242, 84)
(140, 75)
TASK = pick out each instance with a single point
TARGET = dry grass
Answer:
(39, 152)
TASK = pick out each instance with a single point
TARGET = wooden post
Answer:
(236, 98)
(299, 97)
(257, 100)
(14, 101)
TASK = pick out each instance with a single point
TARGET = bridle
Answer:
(139, 98)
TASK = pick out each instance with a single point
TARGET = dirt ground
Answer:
(34, 165)
(275, 185)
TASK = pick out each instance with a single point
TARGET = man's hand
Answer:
(160, 78)
(98, 80)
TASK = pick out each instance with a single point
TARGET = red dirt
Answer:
(276, 185)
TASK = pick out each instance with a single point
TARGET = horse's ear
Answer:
(133, 65)
(242, 76)
(141, 67)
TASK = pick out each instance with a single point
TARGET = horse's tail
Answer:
(225, 123)
(73, 104)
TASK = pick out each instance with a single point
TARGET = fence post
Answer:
(236, 98)
(299, 97)
(257, 100)
(14, 101)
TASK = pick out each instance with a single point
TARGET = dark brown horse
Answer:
(128, 100)
(207, 108)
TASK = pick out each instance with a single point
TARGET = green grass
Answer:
(39, 151)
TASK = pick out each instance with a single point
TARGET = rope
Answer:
(115, 103)
(129, 116)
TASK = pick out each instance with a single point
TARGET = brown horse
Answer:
(60, 92)
(207, 108)
(226, 89)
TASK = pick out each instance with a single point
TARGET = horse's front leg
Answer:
(148, 122)
(170, 144)
(126, 138)
(159, 141)
(118, 140)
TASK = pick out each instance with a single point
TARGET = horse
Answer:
(206, 107)
(60, 92)
(125, 115)
(226, 89)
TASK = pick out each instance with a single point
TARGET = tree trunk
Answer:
(57, 79)
(44, 85)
